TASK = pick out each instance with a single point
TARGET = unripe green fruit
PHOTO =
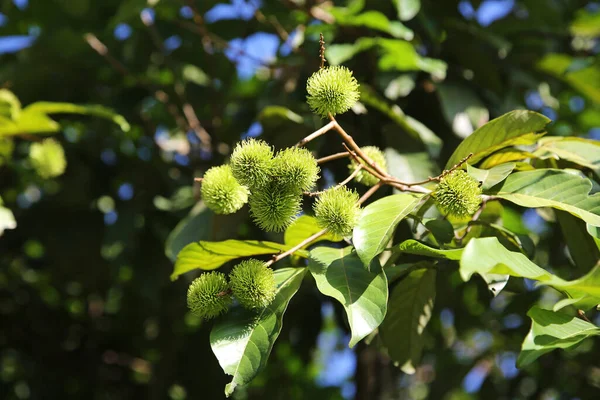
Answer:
(296, 169)
(338, 210)
(251, 163)
(221, 192)
(363, 176)
(253, 284)
(48, 158)
(209, 295)
(458, 194)
(332, 90)
(274, 208)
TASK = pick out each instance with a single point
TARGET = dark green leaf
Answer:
(582, 247)
(411, 246)
(441, 229)
(410, 308)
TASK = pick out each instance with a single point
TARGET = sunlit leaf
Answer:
(340, 274)
(491, 177)
(552, 330)
(242, 339)
(303, 228)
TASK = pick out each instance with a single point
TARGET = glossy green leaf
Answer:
(303, 228)
(378, 222)
(491, 177)
(552, 188)
(340, 274)
(242, 339)
(211, 255)
(441, 229)
(410, 309)
(584, 152)
(505, 156)
(43, 107)
(552, 330)
(518, 127)
(407, 9)
(411, 246)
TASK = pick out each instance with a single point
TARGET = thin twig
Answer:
(316, 134)
(336, 156)
(582, 315)
(342, 183)
(101, 49)
(322, 51)
(296, 247)
(370, 192)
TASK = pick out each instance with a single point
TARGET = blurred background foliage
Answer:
(87, 309)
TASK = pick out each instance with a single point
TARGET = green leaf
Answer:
(486, 256)
(411, 246)
(586, 23)
(441, 229)
(378, 222)
(337, 54)
(491, 177)
(303, 228)
(194, 74)
(551, 330)
(410, 167)
(211, 255)
(197, 225)
(340, 274)
(278, 115)
(410, 309)
(584, 79)
(375, 20)
(243, 339)
(518, 127)
(505, 156)
(10, 106)
(552, 188)
(410, 125)
(68, 108)
(582, 246)
(407, 9)
(584, 152)
(29, 122)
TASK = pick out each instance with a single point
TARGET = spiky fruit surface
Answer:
(208, 295)
(338, 210)
(253, 284)
(251, 163)
(48, 158)
(364, 177)
(458, 194)
(332, 90)
(273, 208)
(221, 192)
(296, 169)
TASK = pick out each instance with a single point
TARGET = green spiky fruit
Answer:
(209, 295)
(296, 169)
(253, 284)
(221, 192)
(458, 194)
(363, 176)
(338, 210)
(273, 208)
(332, 90)
(251, 163)
(48, 158)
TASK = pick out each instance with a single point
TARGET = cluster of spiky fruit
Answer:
(271, 183)
(251, 283)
